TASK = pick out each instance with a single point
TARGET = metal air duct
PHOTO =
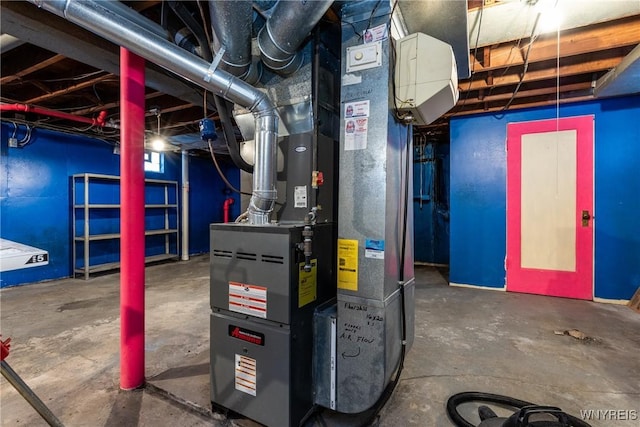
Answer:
(98, 17)
(231, 26)
(284, 32)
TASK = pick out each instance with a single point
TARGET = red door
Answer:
(550, 207)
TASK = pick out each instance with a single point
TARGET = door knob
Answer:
(585, 218)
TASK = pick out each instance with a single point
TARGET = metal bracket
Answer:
(214, 64)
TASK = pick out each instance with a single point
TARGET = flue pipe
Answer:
(287, 27)
(95, 17)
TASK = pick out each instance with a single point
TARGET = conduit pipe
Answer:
(285, 30)
(95, 17)
(25, 108)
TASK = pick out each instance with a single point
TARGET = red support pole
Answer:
(132, 88)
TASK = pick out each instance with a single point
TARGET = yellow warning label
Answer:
(348, 264)
(307, 287)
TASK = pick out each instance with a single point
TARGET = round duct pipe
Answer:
(289, 24)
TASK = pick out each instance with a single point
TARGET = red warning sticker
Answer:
(245, 375)
(248, 299)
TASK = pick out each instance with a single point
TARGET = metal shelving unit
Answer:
(169, 207)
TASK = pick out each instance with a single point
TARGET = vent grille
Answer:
(247, 256)
(222, 254)
(273, 259)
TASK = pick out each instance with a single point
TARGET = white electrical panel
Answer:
(364, 56)
(426, 77)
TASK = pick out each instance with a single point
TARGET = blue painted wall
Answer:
(35, 197)
(478, 194)
(431, 202)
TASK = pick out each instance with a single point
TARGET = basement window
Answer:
(153, 161)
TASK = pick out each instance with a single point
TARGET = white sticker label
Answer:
(248, 299)
(351, 79)
(246, 373)
(375, 34)
(374, 249)
(355, 134)
(371, 253)
(356, 109)
(300, 196)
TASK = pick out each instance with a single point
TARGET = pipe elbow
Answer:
(275, 57)
(264, 108)
(101, 120)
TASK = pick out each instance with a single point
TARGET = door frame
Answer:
(585, 128)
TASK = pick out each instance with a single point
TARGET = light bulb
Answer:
(158, 144)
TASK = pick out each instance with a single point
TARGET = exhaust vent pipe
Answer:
(290, 23)
(98, 17)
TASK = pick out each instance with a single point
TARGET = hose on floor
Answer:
(475, 396)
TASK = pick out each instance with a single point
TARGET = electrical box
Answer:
(426, 77)
(364, 56)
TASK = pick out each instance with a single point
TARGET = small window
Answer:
(153, 161)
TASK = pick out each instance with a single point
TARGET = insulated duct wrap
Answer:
(97, 17)
(231, 27)
(290, 23)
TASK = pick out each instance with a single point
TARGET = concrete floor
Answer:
(65, 340)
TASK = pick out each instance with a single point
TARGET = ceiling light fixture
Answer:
(158, 142)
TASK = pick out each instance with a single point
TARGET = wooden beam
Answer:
(36, 67)
(519, 106)
(68, 90)
(111, 105)
(191, 122)
(142, 5)
(172, 109)
(589, 66)
(41, 28)
(41, 86)
(527, 93)
(595, 38)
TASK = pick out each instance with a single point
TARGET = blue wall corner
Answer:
(478, 202)
(478, 194)
(35, 196)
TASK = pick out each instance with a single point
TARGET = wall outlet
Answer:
(13, 142)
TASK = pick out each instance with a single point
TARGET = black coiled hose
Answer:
(475, 396)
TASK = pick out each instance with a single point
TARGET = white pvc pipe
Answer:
(185, 206)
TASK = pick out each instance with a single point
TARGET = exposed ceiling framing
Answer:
(63, 67)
